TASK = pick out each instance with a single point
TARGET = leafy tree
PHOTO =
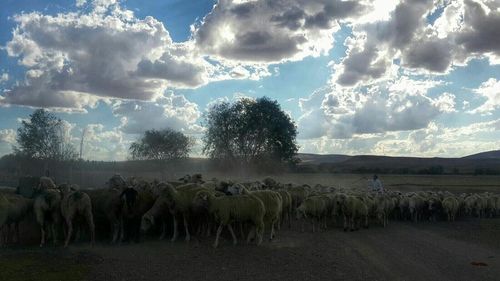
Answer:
(250, 130)
(164, 144)
(44, 136)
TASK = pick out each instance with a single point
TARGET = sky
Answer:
(385, 77)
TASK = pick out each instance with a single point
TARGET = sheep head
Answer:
(201, 199)
(147, 222)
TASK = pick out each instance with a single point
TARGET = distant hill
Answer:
(481, 163)
(310, 158)
(494, 154)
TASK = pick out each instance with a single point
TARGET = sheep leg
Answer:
(116, 230)
(163, 230)
(235, 241)
(242, 234)
(250, 234)
(122, 230)
(260, 233)
(345, 223)
(176, 233)
(42, 234)
(219, 230)
(186, 227)
(90, 223)
(69, 223)
(271, 237)
(17, 236)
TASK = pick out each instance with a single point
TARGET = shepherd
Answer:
(376, 185)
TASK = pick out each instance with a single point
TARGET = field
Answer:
(468, 249)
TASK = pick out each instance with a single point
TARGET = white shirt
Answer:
(376, 185)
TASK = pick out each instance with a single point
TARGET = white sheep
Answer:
(450, 206)
(73, 203)
(353, 210)
(272, 202)
(45, 183)
(314, 208)
(230, 209)
(18, 209)
(47, 208)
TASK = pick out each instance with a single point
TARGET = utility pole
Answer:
(81, 142)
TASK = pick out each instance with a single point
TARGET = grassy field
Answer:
(453, 183)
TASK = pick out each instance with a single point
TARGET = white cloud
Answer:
(4, 77)
(431, 141)
(75, 59)
(8, 136)
(465, 29)
(169, 111)
(490, 90)
(7, 140)
(398, 105)
(102, 144)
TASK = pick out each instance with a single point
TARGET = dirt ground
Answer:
(464, 250)
(468, 249)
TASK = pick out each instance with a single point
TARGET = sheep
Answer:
(353, 211)
(47, 208)
(117, 181)
(415, 206)
(107, 205)
(299, 194)
(434, 207)
(135, 205)
(272, 202)
(404, 208)
(159, 211)
(286, 210)
(18, 208)
(195, 178)
(73, 203)
(382, 209)
(491, 207)
(314, 208)
(450, 206)
(474, 205)
(46, 183)
(230, 209)
(179, 202)
(4, 207)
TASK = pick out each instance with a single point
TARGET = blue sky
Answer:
(399, 77)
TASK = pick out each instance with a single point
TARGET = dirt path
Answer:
(402, 251)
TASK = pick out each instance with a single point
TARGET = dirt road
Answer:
(464, 250)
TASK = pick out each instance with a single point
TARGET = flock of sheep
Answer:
(129, 208)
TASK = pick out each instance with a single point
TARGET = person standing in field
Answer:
(376, 184)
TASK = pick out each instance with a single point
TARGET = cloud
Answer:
(8, 136)
(462, 30)
(272, 31)
(7, 140)
(490, 90)
(480, 33)
(169, 111)
(400, 105)
(75, 59)
(102, 144)
(4, 77)
(430, 141)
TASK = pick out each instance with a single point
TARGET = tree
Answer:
(164, 144)
(249, 131)
(44, 136)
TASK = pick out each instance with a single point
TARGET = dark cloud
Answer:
(272, 30)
